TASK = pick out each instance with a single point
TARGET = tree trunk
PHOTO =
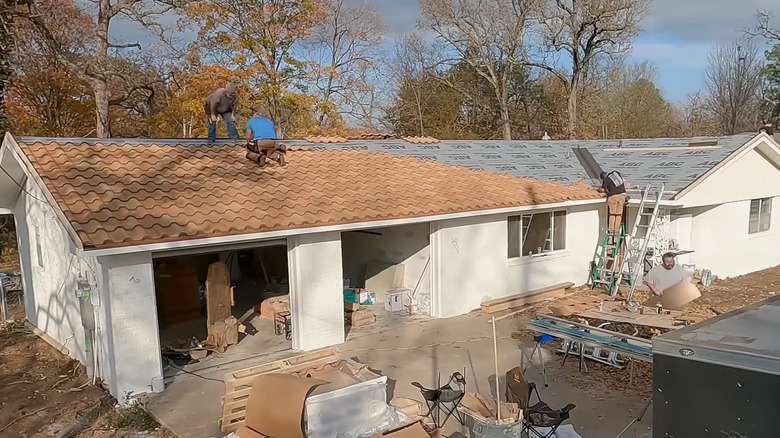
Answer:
(99, 79)
(506, 128)
(103, 126)
(573, 108)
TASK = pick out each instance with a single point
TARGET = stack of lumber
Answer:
(525, 298)
(358, 315)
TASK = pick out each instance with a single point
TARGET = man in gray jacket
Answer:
(222, 103)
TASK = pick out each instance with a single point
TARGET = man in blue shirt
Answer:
(261, 141)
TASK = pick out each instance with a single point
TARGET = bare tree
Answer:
(584, 30)
(349, 44)
(90, 59)
(734, 85)
(764, 28)
(488, 35)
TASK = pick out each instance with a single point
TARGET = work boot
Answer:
(261, 161)
(281, 159)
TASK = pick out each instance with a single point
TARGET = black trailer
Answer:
(721, 377)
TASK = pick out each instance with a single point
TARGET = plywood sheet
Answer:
(615, 312)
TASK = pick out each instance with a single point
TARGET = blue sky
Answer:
(677, 35)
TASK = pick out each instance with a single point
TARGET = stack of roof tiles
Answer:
(120, 194)
(330, 139)
(372, 136)
(421, 140)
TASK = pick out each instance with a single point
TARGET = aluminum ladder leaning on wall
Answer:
(636, 242)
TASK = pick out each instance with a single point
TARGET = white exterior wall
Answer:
(49, 276)
(471, 265)
(722, 244)
(407, 245)
(131, 331)
(316, 290)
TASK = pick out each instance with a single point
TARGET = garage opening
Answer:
(387, 277)
(210, 302)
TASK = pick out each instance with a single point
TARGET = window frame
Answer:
(515, 236)
(762, 218)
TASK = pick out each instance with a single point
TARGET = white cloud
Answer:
(679, 55)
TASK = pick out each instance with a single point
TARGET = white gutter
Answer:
(266, 235)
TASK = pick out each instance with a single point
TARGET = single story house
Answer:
(105, 226)
(718, 191)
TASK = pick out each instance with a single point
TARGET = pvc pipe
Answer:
(495, 359)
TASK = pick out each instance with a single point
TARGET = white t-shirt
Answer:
(663, 278)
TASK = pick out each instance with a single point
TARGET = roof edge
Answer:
(269, 235)
(749, 145)
(10, 144)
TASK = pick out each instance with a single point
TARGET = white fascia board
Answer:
(11, 146)
(272, 235)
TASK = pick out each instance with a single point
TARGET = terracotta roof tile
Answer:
(333, 139)
(372, 136)
(421, 140)
(130, 194)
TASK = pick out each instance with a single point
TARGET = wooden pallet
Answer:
(239, 383)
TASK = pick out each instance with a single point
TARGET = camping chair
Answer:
(445, 399)
(519, 390)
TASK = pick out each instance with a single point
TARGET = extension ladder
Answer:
(630, 265)
(641, 233)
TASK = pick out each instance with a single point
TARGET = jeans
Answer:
(229, 124)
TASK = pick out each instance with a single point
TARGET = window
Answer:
(38, 247)
(536, 233)
(760, 215)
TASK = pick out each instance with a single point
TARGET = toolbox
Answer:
(721, 377)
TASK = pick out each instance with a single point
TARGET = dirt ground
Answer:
(720, 297)
(46, 394)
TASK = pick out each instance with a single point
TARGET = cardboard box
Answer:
(675, 297)
(394, 300)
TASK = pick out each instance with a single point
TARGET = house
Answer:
(115, 237)
(718, 191)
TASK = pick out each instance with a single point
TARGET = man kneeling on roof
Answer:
(261, 140)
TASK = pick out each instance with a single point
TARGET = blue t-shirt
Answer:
(261, 128)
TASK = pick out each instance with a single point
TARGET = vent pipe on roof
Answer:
(545, 137)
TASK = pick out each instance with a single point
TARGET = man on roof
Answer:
(261, 140)
(222, 103)
(614, 186)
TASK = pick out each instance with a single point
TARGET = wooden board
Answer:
(532, 297)
(576, 303)
(238, 384)
(613, 311)
(218, 293)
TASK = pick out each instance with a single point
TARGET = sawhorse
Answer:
(538, 341)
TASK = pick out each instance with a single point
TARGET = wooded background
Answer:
(475, 69)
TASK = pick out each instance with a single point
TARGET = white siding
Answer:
(131, 330)
(50, 271)
(719, 236)
(316, 290)
(471, 261)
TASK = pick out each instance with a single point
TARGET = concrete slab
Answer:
(417, 350)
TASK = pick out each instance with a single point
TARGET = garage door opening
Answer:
(207, 302)
(392, 265)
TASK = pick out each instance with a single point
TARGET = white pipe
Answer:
(495, 359)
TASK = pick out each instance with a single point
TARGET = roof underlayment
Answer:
(676, 162)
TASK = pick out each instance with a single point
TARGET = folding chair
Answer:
(539, 414)
(445, 399)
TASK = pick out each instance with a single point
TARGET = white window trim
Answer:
(549, 255)
(759, 233)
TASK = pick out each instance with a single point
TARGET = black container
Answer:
(721, 377)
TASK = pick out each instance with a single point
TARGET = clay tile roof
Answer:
(421, 140)
(333, 139)
(372, 136)
(132, 193)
